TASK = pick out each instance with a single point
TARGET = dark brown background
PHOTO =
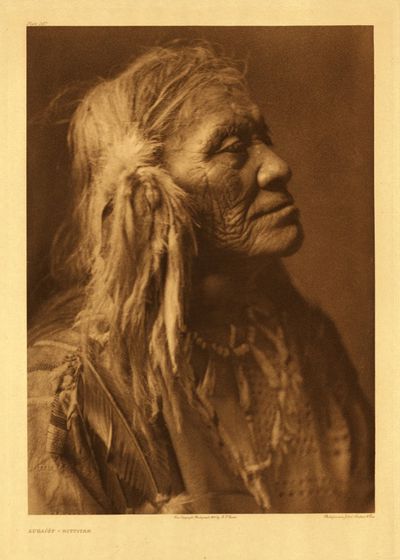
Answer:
(315, 86)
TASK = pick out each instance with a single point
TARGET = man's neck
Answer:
(225, 286)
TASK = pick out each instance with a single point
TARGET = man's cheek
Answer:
(219, 199)
(225, 186)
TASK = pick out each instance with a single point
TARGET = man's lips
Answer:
(283, 207)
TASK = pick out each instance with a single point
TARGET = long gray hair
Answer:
(131, 239)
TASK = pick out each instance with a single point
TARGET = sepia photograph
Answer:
(200, 270)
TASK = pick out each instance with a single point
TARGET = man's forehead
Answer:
(219, 101)
(216, 100)
(234, 112)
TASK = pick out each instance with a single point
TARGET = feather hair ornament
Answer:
(140, 271)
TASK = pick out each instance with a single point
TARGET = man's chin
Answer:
(283, 244)
(295, 245)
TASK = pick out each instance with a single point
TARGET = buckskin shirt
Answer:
(278, 424)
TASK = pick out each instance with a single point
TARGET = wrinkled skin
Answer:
(223, 157)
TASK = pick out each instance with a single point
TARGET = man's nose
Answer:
(273, 172)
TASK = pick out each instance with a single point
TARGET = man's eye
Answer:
(233, 147)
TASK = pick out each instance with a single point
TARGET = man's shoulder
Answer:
(52, 340)
(319, 341)
(48, 359)
(311, 321)
(53, 337)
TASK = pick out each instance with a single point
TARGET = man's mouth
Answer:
(284, 207)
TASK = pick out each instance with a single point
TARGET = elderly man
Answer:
(178, 370)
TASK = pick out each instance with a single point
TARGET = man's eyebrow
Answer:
(245, 127)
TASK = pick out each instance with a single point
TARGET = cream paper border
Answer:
(247, 537)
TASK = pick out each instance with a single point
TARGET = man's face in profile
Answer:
(222, 155)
